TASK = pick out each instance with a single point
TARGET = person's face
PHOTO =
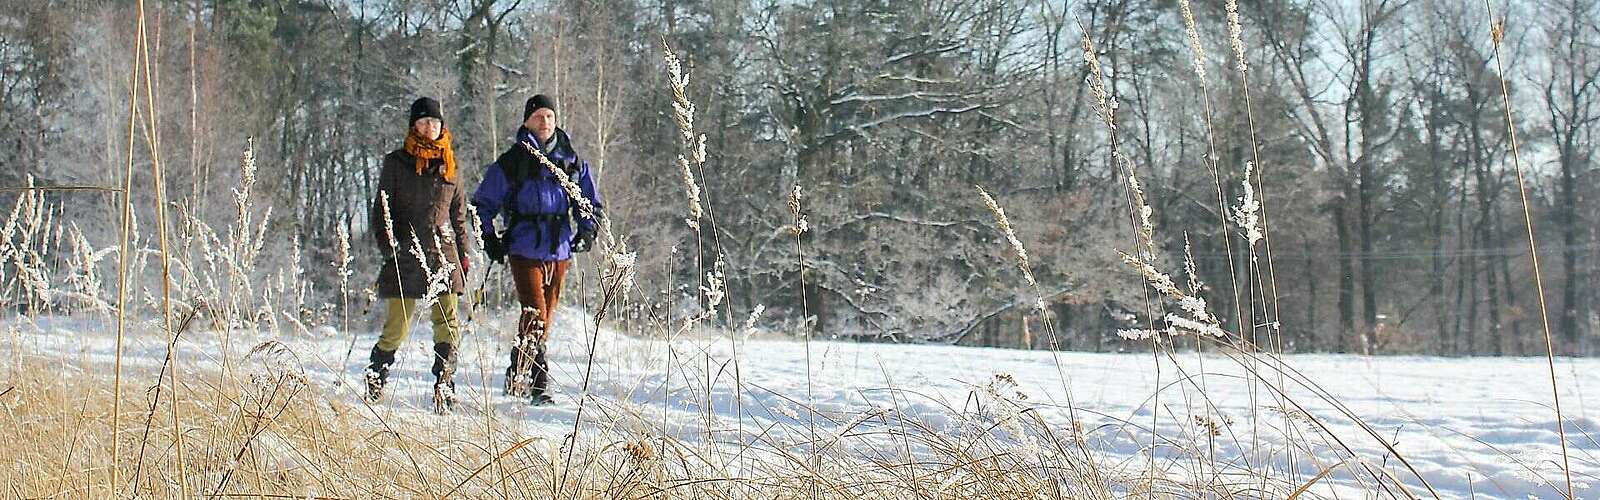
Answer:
(542, 123)
(429, 128)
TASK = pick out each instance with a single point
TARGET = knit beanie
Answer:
(425, 107)
(536, 102)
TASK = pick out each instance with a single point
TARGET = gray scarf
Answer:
(549, 146)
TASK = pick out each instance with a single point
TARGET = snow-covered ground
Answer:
(1472, 427)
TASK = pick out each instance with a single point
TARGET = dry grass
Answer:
(255, 426)
(258, 428)
(276, 435)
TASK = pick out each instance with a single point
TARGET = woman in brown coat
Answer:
(419, 220)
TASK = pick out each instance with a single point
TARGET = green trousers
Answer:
(397, 323)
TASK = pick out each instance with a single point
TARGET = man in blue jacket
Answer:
(538, 237)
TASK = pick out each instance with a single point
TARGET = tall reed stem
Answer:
(1497, 33)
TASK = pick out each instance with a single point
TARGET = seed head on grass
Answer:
(474, 233)
(750, 322)
(32, 269)
(1200, 319)
(1236, 37)
(87, 259)
(247, 179)
(240, 232)
(438, 278)
(1179, 325)
(675, 74)
(1104, 104)
(800, 225)
(1137, 334)
(694, 145)
(388, 221)
(1155, 277)
(1011, 236)
(622, 266)
(342, 257)
(1247, 214)
(1195, 285)
(585, 207)
(691, 191)
(420, 254)
(261, 235)
(714, 289)
(1142, 259)
(1145, 229)
(1194, 40)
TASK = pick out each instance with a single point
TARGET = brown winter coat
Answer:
(426, 205)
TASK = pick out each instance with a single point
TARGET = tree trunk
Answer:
(1491, 281)
(1347, 313)
(1567, 220)
(1466, 278)
(1369, 289)
(1308, 334)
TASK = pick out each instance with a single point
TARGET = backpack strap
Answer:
(519, 165)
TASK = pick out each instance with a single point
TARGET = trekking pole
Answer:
(478, 297)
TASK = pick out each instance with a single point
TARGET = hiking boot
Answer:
(519, 375)
(539, 398)
(541, 377)
(378, 374)
(444, 369)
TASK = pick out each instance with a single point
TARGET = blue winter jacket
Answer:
(541, 230)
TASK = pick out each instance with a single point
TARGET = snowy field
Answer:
(1471, 427)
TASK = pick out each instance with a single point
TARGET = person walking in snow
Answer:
(418, 218)
(538, 238)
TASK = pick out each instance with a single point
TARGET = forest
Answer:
(1375, 131)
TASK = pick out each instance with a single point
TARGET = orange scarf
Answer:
(426, 150)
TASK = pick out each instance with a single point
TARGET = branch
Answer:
(915, 94)
(916, 79)
(929, 51)
(509, 69)
(1009, 122)
(860, 218)
(957, 335)
(860, 128)
(502, 17)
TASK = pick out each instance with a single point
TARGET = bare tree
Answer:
(1571, 94)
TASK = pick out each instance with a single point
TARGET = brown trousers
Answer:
(539, 291)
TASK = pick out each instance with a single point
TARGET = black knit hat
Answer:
(536, 102)
(425, 107)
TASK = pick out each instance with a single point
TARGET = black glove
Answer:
(583, 241)
(496, 247)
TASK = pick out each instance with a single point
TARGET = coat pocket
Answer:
(439, 195)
